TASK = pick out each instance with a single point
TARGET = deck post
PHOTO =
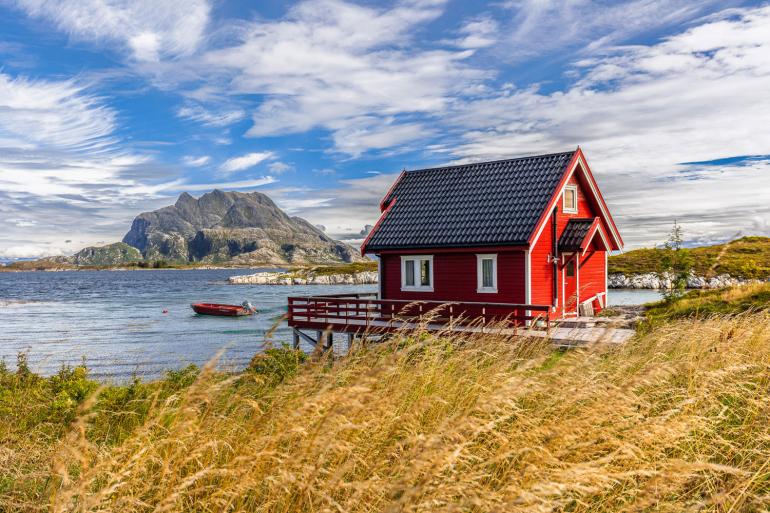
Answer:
(295, 339)
(351, 339)
(329, 340)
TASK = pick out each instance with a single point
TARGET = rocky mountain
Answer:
(233, 227)
(118, 253)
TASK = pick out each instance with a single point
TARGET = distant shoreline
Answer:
(7, 269)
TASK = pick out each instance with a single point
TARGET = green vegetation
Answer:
(40, 416)
(674, 420)
(704, 303)
(325, 270)
(44, 264)
(748, 257)
(676, 263)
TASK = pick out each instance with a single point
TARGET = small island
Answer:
(359, 273)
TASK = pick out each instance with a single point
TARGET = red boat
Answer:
(223, 310)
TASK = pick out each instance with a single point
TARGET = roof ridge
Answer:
(499, 161)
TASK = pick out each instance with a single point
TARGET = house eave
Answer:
(447, 248)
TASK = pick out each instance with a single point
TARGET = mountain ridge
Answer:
(232, 227)
(242, 229)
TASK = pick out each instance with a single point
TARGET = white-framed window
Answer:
(417, 273)
(569, 203)
(486, 273)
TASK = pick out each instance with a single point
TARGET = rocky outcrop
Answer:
(233, 227)
(272, 278)
(118, 253)
(656, 281)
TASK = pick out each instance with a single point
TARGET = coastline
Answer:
(269, 274)
(654, 281)
(136, 268)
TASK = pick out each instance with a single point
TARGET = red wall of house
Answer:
(454, 278)
(592, 274)
(542, 277)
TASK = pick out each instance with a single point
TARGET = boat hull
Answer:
(220, 310)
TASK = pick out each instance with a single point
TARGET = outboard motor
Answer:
(248, 306)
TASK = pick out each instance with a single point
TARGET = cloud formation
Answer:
(245, 161)
(147, 29)
(356, 71)
(189, 160)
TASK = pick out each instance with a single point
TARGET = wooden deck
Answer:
(364, 314)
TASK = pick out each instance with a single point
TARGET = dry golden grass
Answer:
(676, 420)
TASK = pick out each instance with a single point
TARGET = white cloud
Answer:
(243, 184)
(62, 166)
(697, 96)
(222, 117)
(55, 138)
(538, 27)
(192, 161)
(36, 114)
(343, 209)
(245, 161)
(279, 167)
(149, 29)
(32, 251)
(331, 64)
(367, 134)
(479, 33)
(182, 185)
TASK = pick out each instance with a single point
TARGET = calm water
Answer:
(625, 297)
(116, 320)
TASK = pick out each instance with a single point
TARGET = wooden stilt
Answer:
(295, 339)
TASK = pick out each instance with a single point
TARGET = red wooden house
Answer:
(532, 230)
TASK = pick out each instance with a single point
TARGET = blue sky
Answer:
(110, 108)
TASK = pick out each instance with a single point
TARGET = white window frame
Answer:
(480, 274)
(417, 268)
(564, 207)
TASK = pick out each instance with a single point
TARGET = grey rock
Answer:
(233, 227)
(654, 281)
(273, 278)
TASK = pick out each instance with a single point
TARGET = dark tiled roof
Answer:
(574, 233)
(487, 203)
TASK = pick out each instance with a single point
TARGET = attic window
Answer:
(569, 205)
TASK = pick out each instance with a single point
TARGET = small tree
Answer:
(675, 263)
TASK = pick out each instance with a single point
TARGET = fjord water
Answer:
(115, 320)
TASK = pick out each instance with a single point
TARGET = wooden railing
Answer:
(361, 312)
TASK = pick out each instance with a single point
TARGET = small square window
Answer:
(570, 269)
(486, 273)
(569, 204)
(417, 273)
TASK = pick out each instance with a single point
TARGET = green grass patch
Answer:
(748, 257)
(326, 270)
(705, 303)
